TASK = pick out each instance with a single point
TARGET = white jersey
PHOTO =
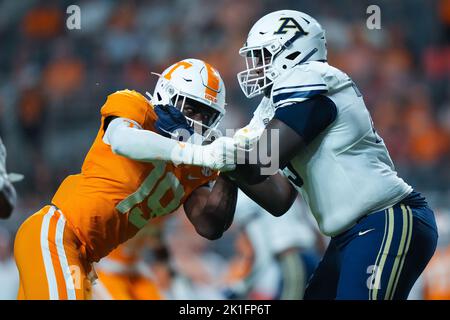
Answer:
(345, 172)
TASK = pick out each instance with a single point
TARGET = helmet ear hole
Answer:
(284, 66)
(292, 56)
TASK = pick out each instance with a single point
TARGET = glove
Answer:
(219, 155)
(4, 176)
(6, 179)
(247, 137)
(170, 120)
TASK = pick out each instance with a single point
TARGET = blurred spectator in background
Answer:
(275, 256)
(44, 21)
(436, 277)
(9, 276)
(31, 114)
(197, 266)
(65, 72)
(124, 274)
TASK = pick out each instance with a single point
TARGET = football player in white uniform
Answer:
(283, 252)
(383, 233)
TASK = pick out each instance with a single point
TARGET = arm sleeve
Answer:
(127, 139)
(308, 118)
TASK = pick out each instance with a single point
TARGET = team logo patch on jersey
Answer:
(289, 23)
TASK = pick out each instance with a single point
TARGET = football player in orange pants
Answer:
(123, 274)
(133, 172)
(120, 278)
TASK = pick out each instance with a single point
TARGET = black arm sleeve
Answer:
(308, 118)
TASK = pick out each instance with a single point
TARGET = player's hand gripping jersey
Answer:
(113, 197)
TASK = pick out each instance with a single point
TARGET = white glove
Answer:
(247, 137)
(219, 155)
(6, 179)
(15, 177)
(11, 177)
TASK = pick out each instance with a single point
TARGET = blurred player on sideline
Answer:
(9, 277)
(434, 283)
(124, 274)
(8, 196)
(276, 256)
(133, 172)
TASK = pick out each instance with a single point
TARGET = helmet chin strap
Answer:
(297, 35)
(288, 43)
(309, 55)
(275, 73)
(149, 95)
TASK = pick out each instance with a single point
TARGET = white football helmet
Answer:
(276, 43)
(192, 79)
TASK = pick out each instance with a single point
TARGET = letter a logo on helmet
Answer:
(276, 43)
(289, 23)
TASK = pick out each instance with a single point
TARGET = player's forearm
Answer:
(258, 156)
(212, 211)
(250, 174)
(147, 146)
(275, 194)
(222, 201)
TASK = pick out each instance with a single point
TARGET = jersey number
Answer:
(153, 189)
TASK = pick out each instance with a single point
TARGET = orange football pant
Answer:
(114, 286)
(50, 259)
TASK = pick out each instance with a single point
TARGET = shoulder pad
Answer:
(298, 84)
(126, 104)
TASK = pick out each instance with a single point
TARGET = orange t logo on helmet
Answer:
(184, 64)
